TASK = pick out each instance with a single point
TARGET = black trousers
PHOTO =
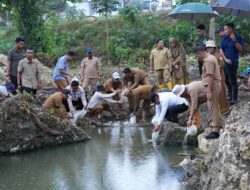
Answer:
(14, 80)
(200, 63)
(231, 80)
(77, 104)
(173, 111)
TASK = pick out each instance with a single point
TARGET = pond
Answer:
(117, 158)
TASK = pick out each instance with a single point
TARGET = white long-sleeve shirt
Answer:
(99, 98)
(167, 99)
(74, 96)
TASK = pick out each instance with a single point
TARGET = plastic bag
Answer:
(78, 114)
(192, 130)
(132, 119)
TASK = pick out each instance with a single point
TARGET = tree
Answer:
(105, 7)
(180, 2)
(28, 19)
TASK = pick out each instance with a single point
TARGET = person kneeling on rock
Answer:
(7, 90)
(168, 106)
(54, 102)
(99, 101)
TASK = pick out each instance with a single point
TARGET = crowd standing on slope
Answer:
(172, 94)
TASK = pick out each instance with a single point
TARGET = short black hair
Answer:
(230, 25)
(19, 39)
(157, 41)
(198, 49)
(74, 83)
(127, 70)
(29, 48)
(201, 27)
(71, 53)
(99, 88)
(153, 96)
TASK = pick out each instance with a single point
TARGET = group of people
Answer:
(217, 66)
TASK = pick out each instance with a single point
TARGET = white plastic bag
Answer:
(132, 119)
(155, 135)
(78, 114)
(192, 130)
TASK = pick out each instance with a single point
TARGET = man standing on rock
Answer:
(211, 79)
(159, 62)
(28, 77)
(231, 46)
(15, 55)
(90, 71)
(168, 106)
(60, 73)
(134, 77)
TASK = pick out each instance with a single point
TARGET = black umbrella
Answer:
(238, 8)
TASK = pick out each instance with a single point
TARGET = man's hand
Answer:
(189, 122)
(119, 102)
(228, 61)
(157, 128)
(209, 95)
(39, 86)
(177, 67)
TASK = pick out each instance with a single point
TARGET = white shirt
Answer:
(167, 99)
(99, 98)
(74, 96)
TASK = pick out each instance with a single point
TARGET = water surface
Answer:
(118, 158)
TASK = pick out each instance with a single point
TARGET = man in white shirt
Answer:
(168, 106)
(77, 97)
(99, 101)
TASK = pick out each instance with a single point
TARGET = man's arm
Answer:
(99, 67)
(83, 97)
(71, 107)
(38, 76)
(238, 46)
(210, 87)
(82, 70)
(136, 82)
(151, 61)
(19, 73)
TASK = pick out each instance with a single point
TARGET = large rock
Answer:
(24, 127)
(174, 135)
(228, 158)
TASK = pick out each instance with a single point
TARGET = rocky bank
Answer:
(25, 126)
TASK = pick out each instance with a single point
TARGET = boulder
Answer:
(174, 135)
(227, 159)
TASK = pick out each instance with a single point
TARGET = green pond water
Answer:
(117, 158)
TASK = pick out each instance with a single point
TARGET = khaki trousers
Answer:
(61, 84)
(92, 82)
(99, 109)
(214, 107)
(163, 76)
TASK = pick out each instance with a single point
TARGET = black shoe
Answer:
(233, 101)
(229, 97)
(213, 135)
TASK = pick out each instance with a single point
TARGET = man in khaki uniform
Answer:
(55, 102)
(196, 94)
(135, 97)
(211, 79)
(28, 77)
(132, 78)
(90, 71)
(159, 62)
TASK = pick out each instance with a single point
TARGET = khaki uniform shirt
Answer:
(141, 93)
(111, 84)
(90, 68)
(29, 72)
(54, 101)
(211, 67)
(160, 58)
(138, 76)
(15, 56)
(197, 92)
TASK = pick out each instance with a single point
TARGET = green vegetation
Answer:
(132, 35)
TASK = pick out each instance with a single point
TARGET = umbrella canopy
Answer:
(192, 11)
(239, 8)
